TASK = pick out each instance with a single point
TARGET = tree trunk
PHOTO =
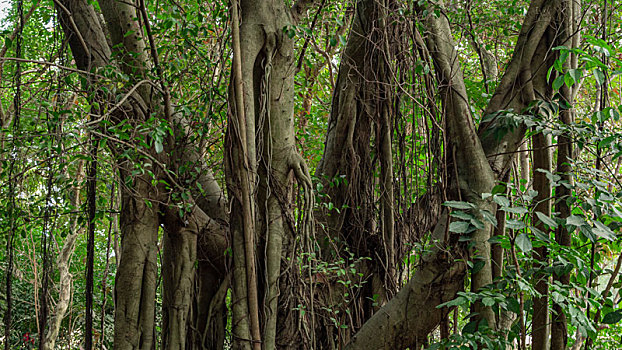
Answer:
(260, 136)
(135, 283)
(542, 184)
(478, 167)
(63, 262)
(140, 219)
(570, 38)
(360, 125)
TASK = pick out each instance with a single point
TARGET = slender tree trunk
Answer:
(542, 184)
(63, 262)
(559, 327)
(523, 160)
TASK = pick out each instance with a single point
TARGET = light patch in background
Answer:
(5, 6)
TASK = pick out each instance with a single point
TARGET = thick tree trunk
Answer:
(474, 173)
(261, 139)
(360, 125)
(137, 268)
(408, 318)
(135, 283)
(478, 167)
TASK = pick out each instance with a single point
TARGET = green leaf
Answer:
(575, 221)
(456, 302)
(459, 227)
(576, 74)
(158, 146)
(462, 215)
(488, 301)
(540, 235)
(546, 220)
(513, 305)
(459, 205)
(558, 82)
(568, 80)
(604, 143)
(523, 242)
(488, 216)
(514, 224)
(516, 210)
(499, 189)
(599, 76)
(470, 328)
(501, 200)
(603, 231)
(342, 40)
(613, 317)
(478, 266)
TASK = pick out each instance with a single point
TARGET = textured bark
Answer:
(267, 67)
(408, 318)
(541, 183)
(517, 87)
(135, 282)
(359, 126)
(479, 165)
(570, 37)
(474, 173)
(137, 269)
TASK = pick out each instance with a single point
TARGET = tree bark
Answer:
(570, 37)
(359, 127)
(542, 184)
(140, 219)
(479, 164)
(260, 140)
